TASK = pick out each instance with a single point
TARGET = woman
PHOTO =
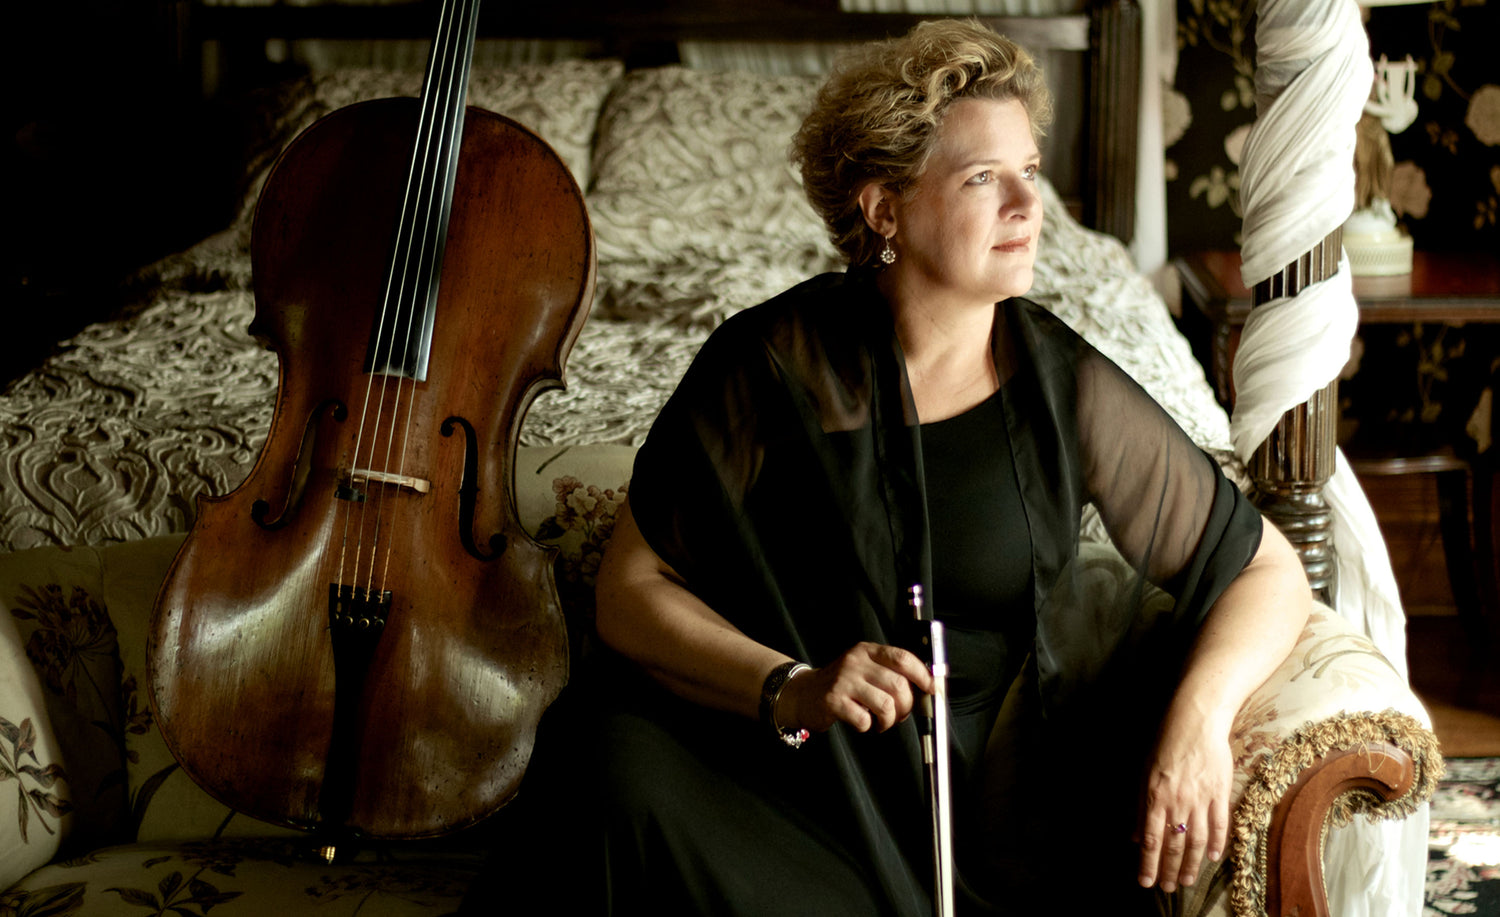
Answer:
(912, 421)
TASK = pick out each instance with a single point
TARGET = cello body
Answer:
(361, 637)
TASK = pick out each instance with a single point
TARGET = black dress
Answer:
(787, 481)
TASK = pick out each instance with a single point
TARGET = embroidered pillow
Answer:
(697, 210)
(559, 101)
(673, 126)
(567, 496)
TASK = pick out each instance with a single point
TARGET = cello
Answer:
(361, 638)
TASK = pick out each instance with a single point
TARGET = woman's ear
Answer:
(877, 204)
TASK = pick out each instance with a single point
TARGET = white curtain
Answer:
(1313, 74)
(1158, 70)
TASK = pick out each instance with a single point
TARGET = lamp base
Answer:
(1376, 248)
(1378, 257)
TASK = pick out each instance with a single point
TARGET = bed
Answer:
(115, 436)
(695, 211)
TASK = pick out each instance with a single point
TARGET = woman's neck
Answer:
(949, 361)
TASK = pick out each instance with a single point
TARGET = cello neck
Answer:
(401, 340)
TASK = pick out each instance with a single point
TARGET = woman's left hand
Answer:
(1246, 635)
(1185, 807)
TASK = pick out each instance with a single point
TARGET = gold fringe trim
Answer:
(1281, 768)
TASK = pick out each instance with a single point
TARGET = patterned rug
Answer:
(1463, 868)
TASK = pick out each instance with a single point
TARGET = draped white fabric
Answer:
(1312, 78)
(1290, 348)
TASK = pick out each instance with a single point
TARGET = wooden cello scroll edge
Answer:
(1379, 765)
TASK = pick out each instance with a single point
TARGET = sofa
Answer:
(97, 819)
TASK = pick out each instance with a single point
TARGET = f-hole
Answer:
(301, 469)
(468, 493)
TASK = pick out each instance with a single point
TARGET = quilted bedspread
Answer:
(696, 214)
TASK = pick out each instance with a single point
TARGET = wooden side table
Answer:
(1451, 288)
(1448, 287)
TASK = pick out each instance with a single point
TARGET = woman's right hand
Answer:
(869, 687)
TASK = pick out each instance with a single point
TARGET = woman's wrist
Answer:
(1201, 713)
(772, 712)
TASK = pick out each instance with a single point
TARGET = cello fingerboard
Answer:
(401, 338)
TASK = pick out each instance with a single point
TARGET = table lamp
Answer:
(1373, 242)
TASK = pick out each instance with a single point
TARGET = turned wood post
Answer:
(1296, 460)
(1114, 109)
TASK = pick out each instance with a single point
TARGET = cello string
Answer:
(415, 277)
(457, 89)
(395, 293)
(396, 283)
(447, 135)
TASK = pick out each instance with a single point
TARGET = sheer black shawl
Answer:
(783, 481)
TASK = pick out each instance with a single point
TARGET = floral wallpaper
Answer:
(1446, 182)
(1206, 116)
(1435, 382)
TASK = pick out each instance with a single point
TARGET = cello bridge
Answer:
(403, 481)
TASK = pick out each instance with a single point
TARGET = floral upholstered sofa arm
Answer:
(1334, 762)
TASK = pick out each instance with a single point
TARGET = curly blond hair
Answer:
(876, 117)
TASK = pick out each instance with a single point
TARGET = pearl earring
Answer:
(888, 254)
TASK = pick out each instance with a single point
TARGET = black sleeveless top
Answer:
(981, 560)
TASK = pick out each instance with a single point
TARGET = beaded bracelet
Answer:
(770, 692)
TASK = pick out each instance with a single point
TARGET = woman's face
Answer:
(968, 231)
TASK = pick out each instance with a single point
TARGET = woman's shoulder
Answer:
(1032, 315)
(1050, 341)
(810, 301)
(823, 314)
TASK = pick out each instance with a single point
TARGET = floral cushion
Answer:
(32, 780)
(251, 876)
(165, 804)
(568, 497)
(51, 602)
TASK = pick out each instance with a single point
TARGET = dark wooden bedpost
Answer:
(1114, 116)
(1292, 466)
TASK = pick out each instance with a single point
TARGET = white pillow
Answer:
(559, 101)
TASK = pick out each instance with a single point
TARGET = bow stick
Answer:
(934, 729)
